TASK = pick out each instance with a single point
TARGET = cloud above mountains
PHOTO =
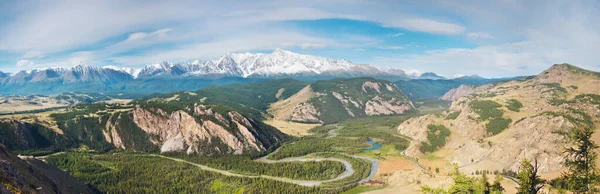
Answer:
(491, 38)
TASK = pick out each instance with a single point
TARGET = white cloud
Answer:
(25, 63)
(479, 35)
(287, 13)
(145, 35)
(312, 46)
(426, 25)
(213, 49)
(397, 34)
(391, 47)
(457, 76)
(83, 57)
(34, 54)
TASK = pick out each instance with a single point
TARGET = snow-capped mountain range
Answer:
(80, 73)
(278, 64)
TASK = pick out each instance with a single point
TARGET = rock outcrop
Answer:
(197, 130)
(464, 90)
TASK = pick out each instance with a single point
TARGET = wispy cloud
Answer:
(213, 49)
(25, 63)
(483, 37)
(479, 35)
(426, 25)
(33, 54)
(391, 47)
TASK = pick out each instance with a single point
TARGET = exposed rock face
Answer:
(372, 85)
(540, 129)
(111, 135)
(179, 130)
(296, 108)
(464, 90)
(380, 106)
(305, 112)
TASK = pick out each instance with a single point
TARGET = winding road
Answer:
(309, 183)
(348, 172)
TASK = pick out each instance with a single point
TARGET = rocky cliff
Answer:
(196, 129)
(507, 122)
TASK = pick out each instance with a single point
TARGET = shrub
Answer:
(436, 134)
(486, 109)
(453, 115)
(497, 125)
(514, 105)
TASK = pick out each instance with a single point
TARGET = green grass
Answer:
(381, 153)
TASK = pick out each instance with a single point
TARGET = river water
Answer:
(374, 145)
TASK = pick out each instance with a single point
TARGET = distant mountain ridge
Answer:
(170, 77)
(79, 73)
(430, 75)
(279, 63)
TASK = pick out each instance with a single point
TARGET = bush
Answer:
(453, 115)
(514, 105)
(486, 109)
(436, 135)
(497, 125)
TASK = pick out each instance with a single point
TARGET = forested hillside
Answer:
(335, 100)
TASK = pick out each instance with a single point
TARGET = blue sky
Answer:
(488, 38)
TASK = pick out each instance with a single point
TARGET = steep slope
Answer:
(252, 98)
(33, 176)
(3, 77)
(339, 99)
(19, 135)
(494, 128)
(168, 127)
(189, 125)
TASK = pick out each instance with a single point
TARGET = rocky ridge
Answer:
(553, 103)
(334, 100)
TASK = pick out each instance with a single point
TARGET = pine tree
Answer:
(529, 180)
(497, 185)
(581, 161)
(483, 182)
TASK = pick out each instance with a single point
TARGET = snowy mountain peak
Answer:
(282, 52)
(279, 63)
